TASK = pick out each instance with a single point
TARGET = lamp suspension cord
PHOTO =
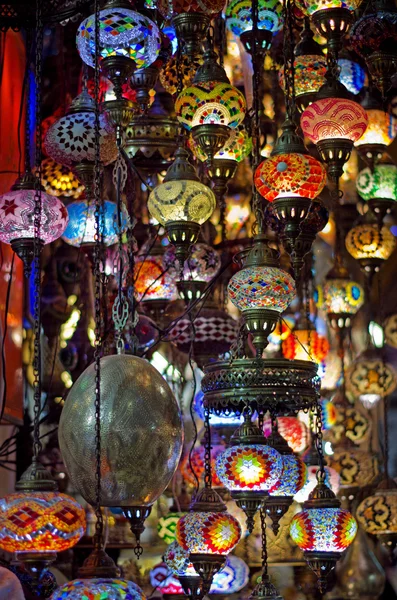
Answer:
(207, 454)
(262, 513)
(98, 538)
(257, 203)
(37, 240)
(319, 441)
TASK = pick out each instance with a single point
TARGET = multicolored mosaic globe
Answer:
(366, 241)
(293, 477)
(290, 174)
(198, 464)
(323, 529)
(211, 102)
(313, 6)
(122, 32)
(208, 532)
(379, 183)
(374, 32)
(310, 70)
(185, 67)
(339, 296)
(261, 287)
(98, 589)
(237, 147)
(81, 226)
(380, 131)
(178, 561)
(328, 413)
(249, 467)
(153, 280)
(166, 526)
(163, 580)
(182, 200)
(232, 578)
(40, 522)
(334, 118)
(239, 16)
(17, 216)
(203, 263)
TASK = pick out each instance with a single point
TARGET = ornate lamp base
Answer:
(333, 24)
(264, 38)
(335, 153)
(381, 207)
(98, 564)
(210, 138)
(382, 67)
(117, 69)
(191, 585)
(137, 516)
(250, 503)
(182, 234)
(207, 565)
(276, 507)
(190, 290)
(24, 249)
(265, 590)
(260, 322)
(305, 100)
(120, 113)
(322, 563)
(371, 153)
(144, 80)
(36, 563)
(191, 28)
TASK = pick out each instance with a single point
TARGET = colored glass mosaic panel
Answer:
(81, 226)
(261, 287)
(208, 532)
(334, 118)
(239, 16)
(251, 467)
(293, 477)
(381, 183)
(323, 529)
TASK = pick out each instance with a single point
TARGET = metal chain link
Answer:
(319, 439)
(207, 453)
(262, 513)
(97, 275)
(28, 116)
(386, 436)
(37, 239)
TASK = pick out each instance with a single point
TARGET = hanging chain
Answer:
(386, 437)
(28, 118)
(97, 276)
(207, 453)
(262, 513)
(289, 60)
(319, 440)
(37, 237)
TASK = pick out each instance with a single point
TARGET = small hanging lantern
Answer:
(378, 189)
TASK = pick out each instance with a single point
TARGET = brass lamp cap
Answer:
(36, 478)
(247, 433)
(261, 254)
(99, 564)
(333, 88)
(27, 181)
(208, 500)
(210, 70)
(289, 141)
(82, 103)
(321, 497)
(181, 168)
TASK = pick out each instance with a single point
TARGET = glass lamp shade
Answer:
(239, 16)
(103, 589)
(178, 561)
(381, 183)
(212, 102)
(58, 180)
(261, 287)
(328, 413)
(366, 241)
(293, 477)
(323, 529)
(352, 75)
(153, 281)
(167, 525)
(339, 296)
(182, 200)
(208, 533)
(291, 174)
(202, 265)
(378, 513)
(356, 467)
(17, 216)
(380, 131)
(293, 430)
(253, 467)
(232, 578)
(187, 65)
(310, 70)
(370, 376)
(81, 227)
(332, 480)
(237, 147)
(122, 32)
(198, 464)
(163, 580)
(313, 6)
(40, 522)
(374, 32)
(71, 139)
(390, 330)
(334, 118)
(305, 344)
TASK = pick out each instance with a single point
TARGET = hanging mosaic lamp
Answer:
(322, 531)
(380, 132)
(127, 383)
(333, 19)
(191, 20)
(370, 377)
(179, 564)
(103, 589)
(80, 231)
(249, 468)
(305, 344)
(185, 65)
(310, 68)
(17, 219)
(166, 526)
(211, 106)
(378, 188)
(292, 479)
(339, 296)
(390, 330)
(239, 21)
(70, 141)
(154, 284)
(334, 122)
(369, 245)
(37, 521)
(374, 37)
(356, 467)
(209, 533)
(58, 180)
(377, 514)
(261, 290)
(351, 74)
(181, 203)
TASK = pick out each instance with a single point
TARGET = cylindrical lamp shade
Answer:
(122, 32)
(334, 118)
(290, 174)
(40, 522)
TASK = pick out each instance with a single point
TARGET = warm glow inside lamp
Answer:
(249, 468)
(293, 430)
(185, 67)
(181, 203)
(197, 463)
(370, 378)
(58, 180)
(305, 344)
(369, 245)
(153, 281)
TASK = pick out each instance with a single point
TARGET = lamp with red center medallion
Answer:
(208, 532)
(249, 468)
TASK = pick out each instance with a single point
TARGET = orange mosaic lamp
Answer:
(36, 521)
(305, 344)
